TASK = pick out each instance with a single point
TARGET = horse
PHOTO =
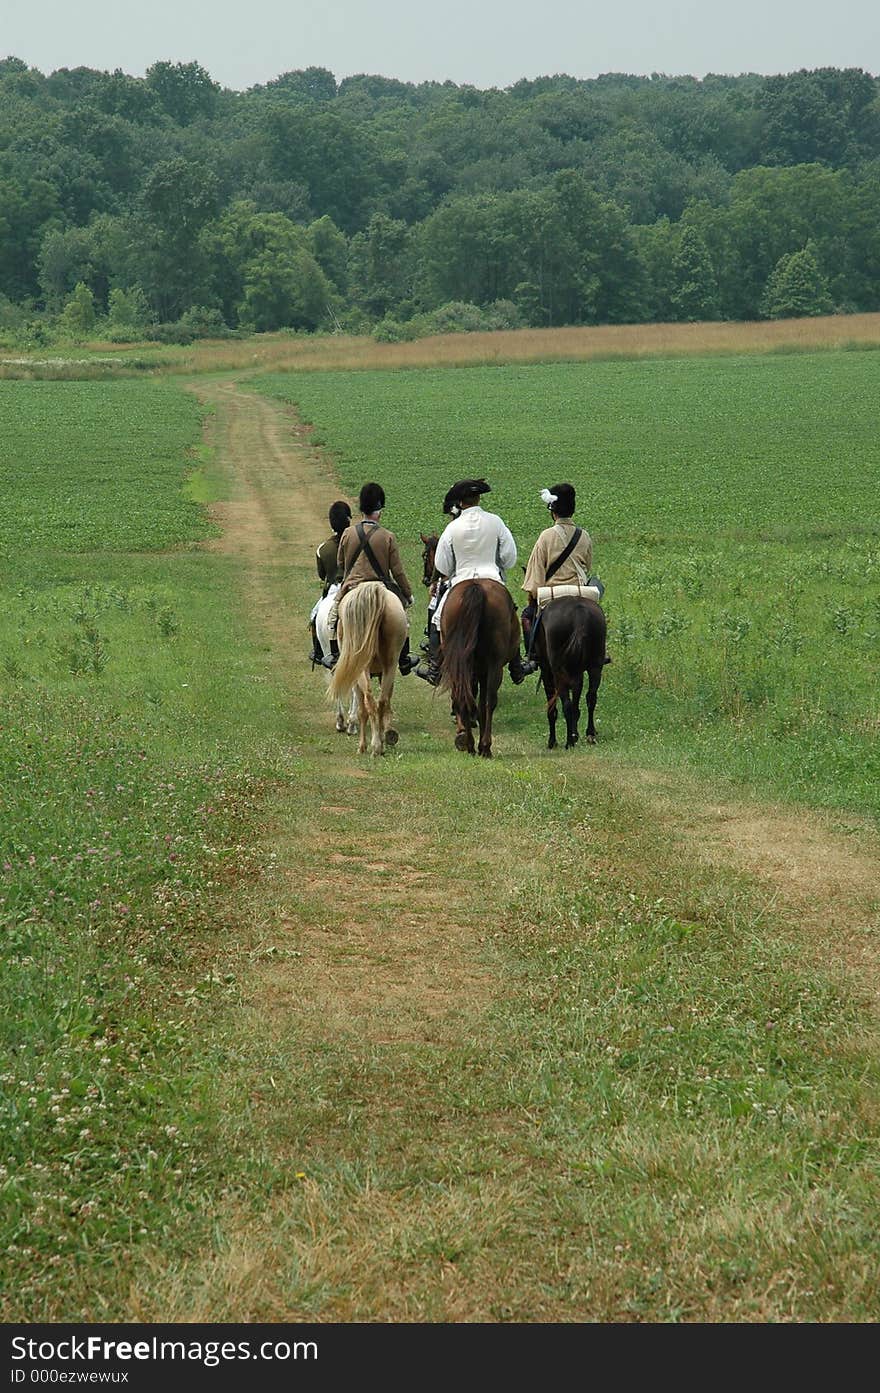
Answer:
(480, 636)
(429, 551)
(569, 643)
(372, 630)
(344, 723)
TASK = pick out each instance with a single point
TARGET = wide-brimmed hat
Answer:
(465, 488)
(560, 499)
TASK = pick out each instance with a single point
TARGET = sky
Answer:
(487, 43)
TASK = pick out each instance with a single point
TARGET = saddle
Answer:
(546, 593)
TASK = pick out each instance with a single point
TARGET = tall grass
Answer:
(322, 352)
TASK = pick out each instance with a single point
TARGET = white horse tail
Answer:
(364, 609)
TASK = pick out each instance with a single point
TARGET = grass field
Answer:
(733, 508)
(292, 1036)
(122, 791)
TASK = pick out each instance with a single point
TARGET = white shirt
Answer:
(476, 545)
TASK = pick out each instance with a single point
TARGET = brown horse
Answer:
(429, 551)
(372, 629)
(569, 643)
(480, 636)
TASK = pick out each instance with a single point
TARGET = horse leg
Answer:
(362, 716)
(352, 727)
(489, 689)
(552, 703)
(388, 734)
(573, 711)
(464, 736)
(376, 745)
(595, 677)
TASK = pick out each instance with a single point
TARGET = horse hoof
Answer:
(591, 739)
(391, 736)
(461, 740)
(485, 754)
(353, 728)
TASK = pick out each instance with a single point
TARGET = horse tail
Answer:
(586, 640)
(364, 612)
(458, 651)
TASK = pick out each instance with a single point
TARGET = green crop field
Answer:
(287, 1034)
(733, 505)
(122, 785)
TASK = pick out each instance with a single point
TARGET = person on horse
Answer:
(329, 568)
(475, 545)
(562, 554)
(368, 551)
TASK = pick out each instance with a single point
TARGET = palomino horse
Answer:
(480, 636)
(372, 630)
(344, 723)
(570, 642)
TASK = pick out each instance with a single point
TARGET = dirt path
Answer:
(414, 978)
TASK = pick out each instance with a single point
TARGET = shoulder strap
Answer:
(563, 555)
(368, 553)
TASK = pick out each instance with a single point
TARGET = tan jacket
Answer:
(384, 547)
(552, 543)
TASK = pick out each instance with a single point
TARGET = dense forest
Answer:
(172, 207)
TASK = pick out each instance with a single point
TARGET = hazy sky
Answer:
(484, 42)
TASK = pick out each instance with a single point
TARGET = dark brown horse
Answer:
(480, 635)
(429, 551)
(569, 643)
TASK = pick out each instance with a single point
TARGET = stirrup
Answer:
(329, 661)
(520, 670)
(429, 673)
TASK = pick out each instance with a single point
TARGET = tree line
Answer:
(170, 206)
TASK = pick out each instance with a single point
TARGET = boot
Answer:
(332, 657)
(520, 670)
(430, 671)
(317, 654)
(406, 662)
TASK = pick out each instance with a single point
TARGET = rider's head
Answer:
(372, 499)
(465, 494)
(560, 500)
(340, 516)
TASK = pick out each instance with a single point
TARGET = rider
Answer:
(563, 553)
(475, 545)
(368, 551)
(329, 569)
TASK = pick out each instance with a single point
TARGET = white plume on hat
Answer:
(547, 497)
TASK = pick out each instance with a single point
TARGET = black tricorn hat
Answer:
(560, 499)
(465, 488)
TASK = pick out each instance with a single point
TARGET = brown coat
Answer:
(384, 547)
(552, 543)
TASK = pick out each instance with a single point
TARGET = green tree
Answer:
(65, 259)
(78, 317)
(796, 287)
(263, 272)
(694, 294)
(379, 269)
(128, 309)
(179, 199)
(185, 90)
